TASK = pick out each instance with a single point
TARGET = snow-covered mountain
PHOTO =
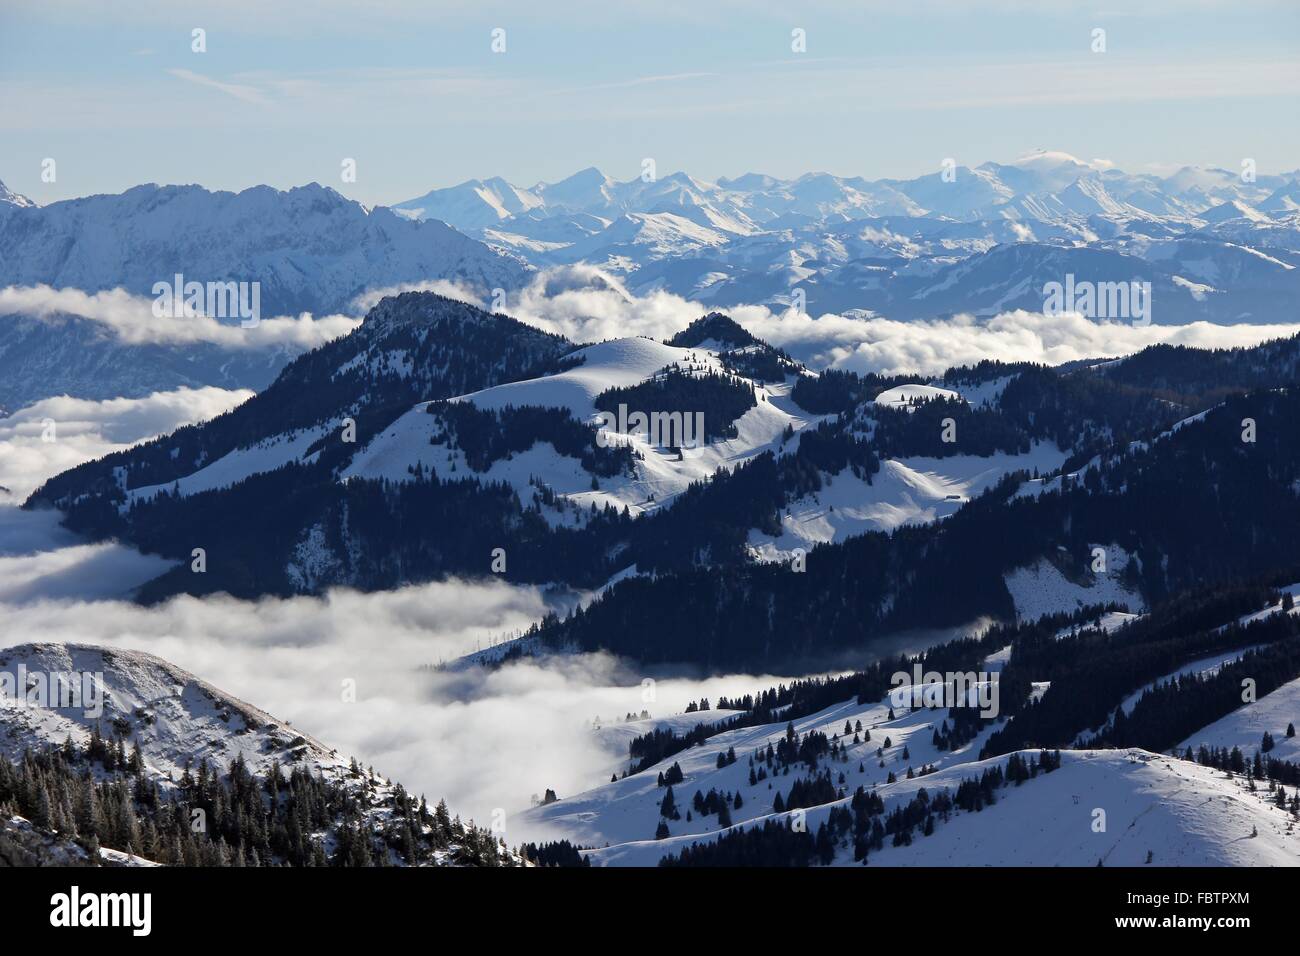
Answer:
(902, 248)
(176, 719)
(451, 427)
(912, 777)
(106, 718)
(310, 248)
(10, 199)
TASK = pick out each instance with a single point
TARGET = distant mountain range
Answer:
(1213, 245)
(309, 249)
(979, 240)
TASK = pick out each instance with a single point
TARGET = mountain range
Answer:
(1215, 245)
(966, 240)
(1106, 547)
(309, 249)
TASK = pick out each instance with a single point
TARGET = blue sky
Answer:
(413, 92)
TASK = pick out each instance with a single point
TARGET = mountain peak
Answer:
(12, 198)
(715, 327)
(1233, 209)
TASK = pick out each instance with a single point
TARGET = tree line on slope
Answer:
(100, 796)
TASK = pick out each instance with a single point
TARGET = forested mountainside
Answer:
(816, 512)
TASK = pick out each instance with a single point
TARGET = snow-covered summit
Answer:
(309, 248)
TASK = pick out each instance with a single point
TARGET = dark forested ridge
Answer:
(1235, 521)
(100, 796)
(1198, 503)
(452, 348)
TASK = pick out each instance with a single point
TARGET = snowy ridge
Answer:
(659, 475)
(1180, 813)
(179, 724)
(1245, 727)
(176, 718)
(626, 811)
(1174, 810)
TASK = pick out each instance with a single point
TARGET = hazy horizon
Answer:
(416, 96)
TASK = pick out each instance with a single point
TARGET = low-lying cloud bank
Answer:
(587, 304)
(131, 318)
(485, 740)
(55, 434)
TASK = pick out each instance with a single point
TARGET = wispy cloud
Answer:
(240, 91)
(628, 84)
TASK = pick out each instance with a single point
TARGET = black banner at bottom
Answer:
(142, 905)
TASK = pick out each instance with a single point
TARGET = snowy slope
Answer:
(1109, 622)
(903, 396)
(239, 464)
(22, 843)
(1177, 811)
(904, 491)
(174, 716)
(1042, 588)
(1182, 813)
(627, 810)
(177, 721)
(659, 475)
(1245, 727)
(1206, 666)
